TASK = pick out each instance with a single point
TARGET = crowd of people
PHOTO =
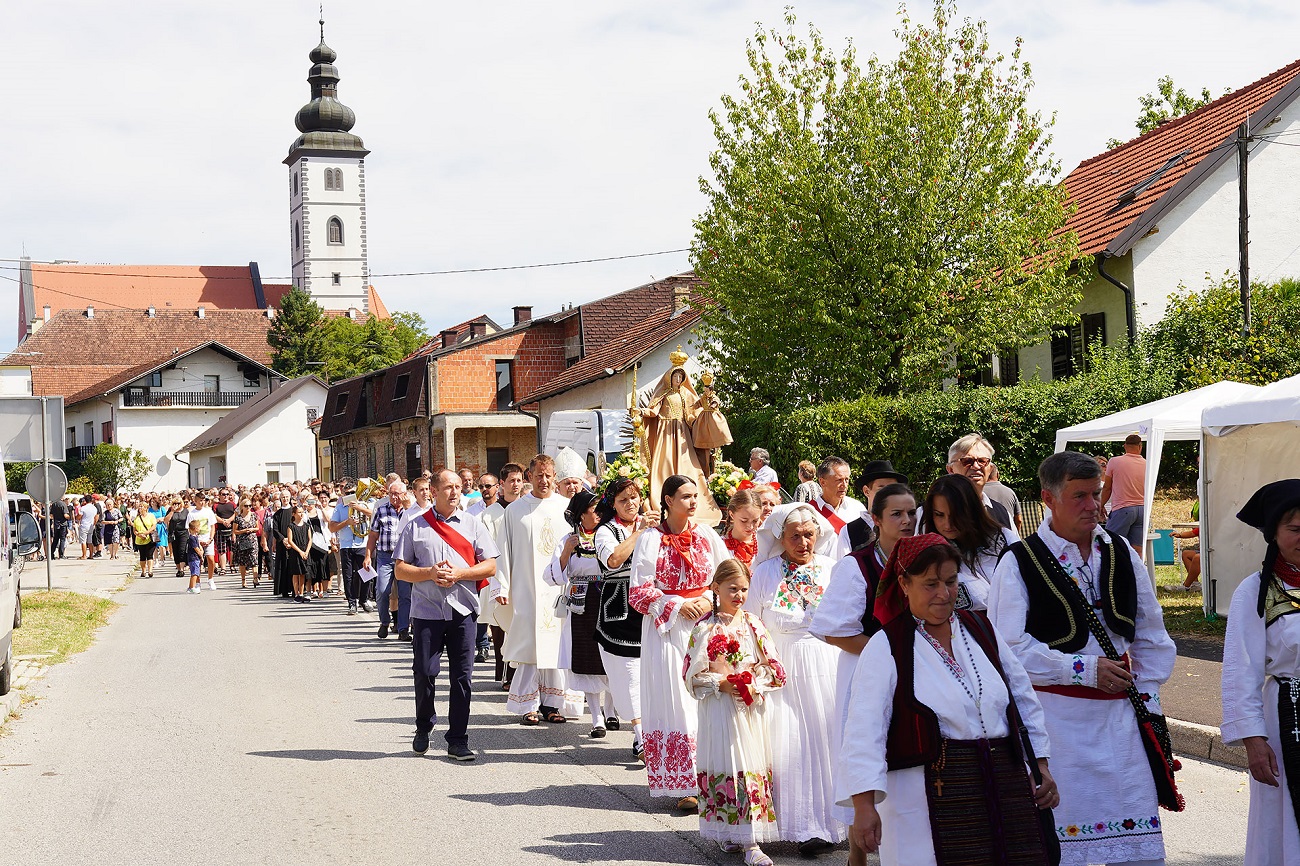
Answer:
(930, 677)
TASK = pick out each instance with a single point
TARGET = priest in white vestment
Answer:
(527, 538)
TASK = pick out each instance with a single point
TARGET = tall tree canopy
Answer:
(305, 341)
(1166, 103)
(869, 227)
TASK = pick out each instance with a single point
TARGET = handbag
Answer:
(319, 542)
(1152, 727)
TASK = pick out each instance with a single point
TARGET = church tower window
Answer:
(336, 230)
(297, 236)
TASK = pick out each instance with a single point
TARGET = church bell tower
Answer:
(327, 195)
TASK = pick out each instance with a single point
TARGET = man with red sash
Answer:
(834, 502)
(443, 553)
(1053, 594)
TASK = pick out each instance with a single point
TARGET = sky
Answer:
(501, 134)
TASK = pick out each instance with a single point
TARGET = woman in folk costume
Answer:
(618, 624)
(731, 669)
(1261, 676)
(577, 572)
(846, 617)
(932, 761)
(670, 416)
(784, 594)
(953, 509)
(672, 568)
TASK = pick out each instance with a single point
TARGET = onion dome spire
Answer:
(325, 123)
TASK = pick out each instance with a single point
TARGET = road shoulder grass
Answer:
(58, 624)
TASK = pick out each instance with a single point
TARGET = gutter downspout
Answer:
(189, 476)
(1129, 314)
(536, 418)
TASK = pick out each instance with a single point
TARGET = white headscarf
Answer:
(769, 534)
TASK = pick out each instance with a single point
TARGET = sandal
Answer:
(531, 719)
(731, 847)
(755, 857)
(555, 718)
(612, 723)
(598, 733)
(688, 804)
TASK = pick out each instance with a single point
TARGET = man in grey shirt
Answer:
(443, 553)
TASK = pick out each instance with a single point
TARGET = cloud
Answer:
(501, 134)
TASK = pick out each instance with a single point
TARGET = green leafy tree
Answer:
(868, 226)
(410, 332)
(1166, 103)
(297, 335)
(354, 348)
(111, 468)
(1202, 330)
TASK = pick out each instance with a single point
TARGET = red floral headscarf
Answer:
(890, 601)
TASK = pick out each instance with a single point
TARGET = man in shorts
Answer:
(225, 509)
(206, 519)
(1125, 492)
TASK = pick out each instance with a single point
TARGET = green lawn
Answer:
(1183, 612)
(58, 624)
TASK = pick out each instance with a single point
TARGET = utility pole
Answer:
(1243, 230)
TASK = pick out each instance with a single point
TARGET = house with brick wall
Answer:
(465, 399)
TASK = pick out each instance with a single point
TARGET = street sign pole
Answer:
(45, 471)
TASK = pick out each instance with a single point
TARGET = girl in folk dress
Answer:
(744, 513)
(729, 668)
(671, 569)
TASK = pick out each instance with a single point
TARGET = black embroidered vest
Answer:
(1056, 617)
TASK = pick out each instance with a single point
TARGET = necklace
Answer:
(977, 696)
(1295, 698)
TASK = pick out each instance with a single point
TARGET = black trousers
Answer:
(430, 639)
(350, 559)
(60, 539)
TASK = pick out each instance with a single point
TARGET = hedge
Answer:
(914, 431)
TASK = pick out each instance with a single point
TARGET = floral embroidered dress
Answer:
(734, 757)
(803, 717)
(668, 570)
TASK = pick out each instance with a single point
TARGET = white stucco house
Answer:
(267, 439)
(1160, 213)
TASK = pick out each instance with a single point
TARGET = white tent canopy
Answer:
(1173, 418)
(1249, 442)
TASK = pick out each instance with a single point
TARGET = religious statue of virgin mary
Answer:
(671, 416)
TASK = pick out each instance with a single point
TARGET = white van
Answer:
(598, 435)
(19, 536)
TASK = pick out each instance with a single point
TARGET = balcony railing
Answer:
(155, 399)
(79, 452)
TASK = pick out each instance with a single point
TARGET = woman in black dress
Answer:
(297, 541)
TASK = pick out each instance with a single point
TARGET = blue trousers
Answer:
(430, 639)
(384, 586)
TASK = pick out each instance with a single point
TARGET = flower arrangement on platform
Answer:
(628, 465)
(725, 481)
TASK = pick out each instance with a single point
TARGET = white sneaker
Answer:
(212, 584)
(193, 589)
(1194, 586)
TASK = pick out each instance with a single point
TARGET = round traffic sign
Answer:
(36, 482)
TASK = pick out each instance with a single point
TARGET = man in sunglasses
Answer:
(489, 489)
(971, 455)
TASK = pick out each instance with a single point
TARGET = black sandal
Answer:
(531, 719)
(555, 718)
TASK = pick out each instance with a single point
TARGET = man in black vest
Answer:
(1065, 599)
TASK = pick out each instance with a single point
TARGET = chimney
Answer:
(202, 312)
(523, 314)
(477, 329)
(270, 312)
(448, 339)
(153, 312)
(47, 312)
(90, 312)
(681, 297)
(352, 313)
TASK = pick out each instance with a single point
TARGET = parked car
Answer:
(19, 536)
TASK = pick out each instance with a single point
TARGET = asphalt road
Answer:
(230, 728)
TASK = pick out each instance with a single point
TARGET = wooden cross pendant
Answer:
(938, 783)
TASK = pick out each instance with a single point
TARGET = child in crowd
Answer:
(194, 556)
(729, 666)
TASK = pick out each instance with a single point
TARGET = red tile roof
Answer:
(72, 355)
(1191, 147)
(434, 343)
(642, 319)
(134, 287)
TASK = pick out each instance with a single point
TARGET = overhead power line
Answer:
(92, 273)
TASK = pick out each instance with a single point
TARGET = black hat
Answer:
(578, 506)
(875, 469)
(1265, 509)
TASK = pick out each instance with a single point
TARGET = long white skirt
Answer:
(804, 730)
(735, 780)
(532, 687)
(1271, 832)
(668, 712)
(845, 664)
